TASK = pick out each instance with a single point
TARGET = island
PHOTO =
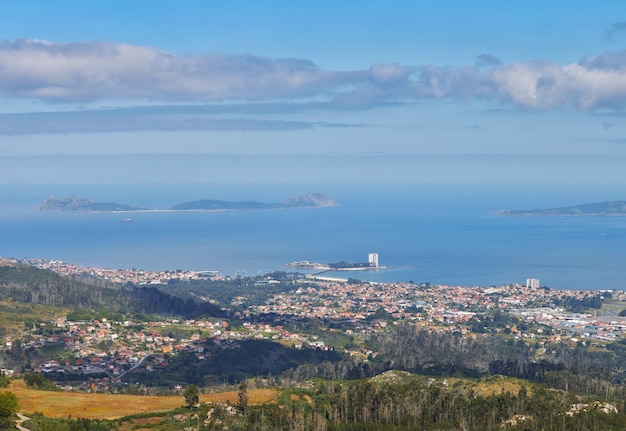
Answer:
(76, 204)
(310, 200)
(372, 263)
(612, 208)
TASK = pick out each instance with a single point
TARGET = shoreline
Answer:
(147, 210)
(167, 210)
(371, 268)
(322, 269)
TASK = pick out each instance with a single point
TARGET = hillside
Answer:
(391, 402)
(29, 285)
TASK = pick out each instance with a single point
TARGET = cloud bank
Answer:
(81, 72)
(93, 71)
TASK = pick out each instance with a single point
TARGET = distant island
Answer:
(76, 204)
(310, 200)
(612, 208)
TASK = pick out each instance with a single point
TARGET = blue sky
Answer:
(466, 91)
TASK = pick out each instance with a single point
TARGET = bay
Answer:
(441, 235)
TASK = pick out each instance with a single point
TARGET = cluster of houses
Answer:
(104, 351)
(444, 306)
(121, 276)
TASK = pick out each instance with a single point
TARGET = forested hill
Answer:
(26, 284)
(612, 208)
(31, 285)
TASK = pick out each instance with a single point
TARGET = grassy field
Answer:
(497, 385)
(106, 406)
(612, 307)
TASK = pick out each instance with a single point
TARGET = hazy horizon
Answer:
(455, 108)
(404, 92)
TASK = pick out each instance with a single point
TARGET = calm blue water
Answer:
(442, 235)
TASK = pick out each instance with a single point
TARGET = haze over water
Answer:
(423, 233)
(407, 113)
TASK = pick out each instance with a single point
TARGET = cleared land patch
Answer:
(108, 406)
(499, 385)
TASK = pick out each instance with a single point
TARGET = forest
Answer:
(408, 403)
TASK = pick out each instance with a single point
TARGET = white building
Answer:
(532, 283)
(372, 259)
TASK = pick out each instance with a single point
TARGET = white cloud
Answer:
(593, 83)
(91, 71)
(390, 74)
(101, 70)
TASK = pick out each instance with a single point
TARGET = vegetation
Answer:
(110, 406)
(192, 395)
(30, 285)
(40, 422)
(394, 403)
(234, 362)
(8, 408)
(37, 381)
(397, 377)
(8, 404)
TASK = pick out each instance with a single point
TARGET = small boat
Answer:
(127, 220)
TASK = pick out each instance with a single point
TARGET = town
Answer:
(110, 349)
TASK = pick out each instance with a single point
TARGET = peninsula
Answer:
(612, 208)
(372, 263)
(76, 204)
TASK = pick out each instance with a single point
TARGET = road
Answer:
(20, 421)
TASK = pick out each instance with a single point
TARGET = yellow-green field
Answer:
(497, 385)
(107, 406)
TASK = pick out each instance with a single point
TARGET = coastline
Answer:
(166, 210)
(147, 210)
(325, 268)
(370, 268)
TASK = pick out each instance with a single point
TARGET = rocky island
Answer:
(74, 204)
(612, 208)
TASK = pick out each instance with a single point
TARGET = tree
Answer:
(192, 395)
(8, 404)
(242, 393)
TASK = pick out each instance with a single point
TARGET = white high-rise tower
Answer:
(532, 283)
(372, 259)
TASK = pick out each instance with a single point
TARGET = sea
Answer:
(443, 234)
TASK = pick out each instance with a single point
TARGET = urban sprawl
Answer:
(116, 347)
